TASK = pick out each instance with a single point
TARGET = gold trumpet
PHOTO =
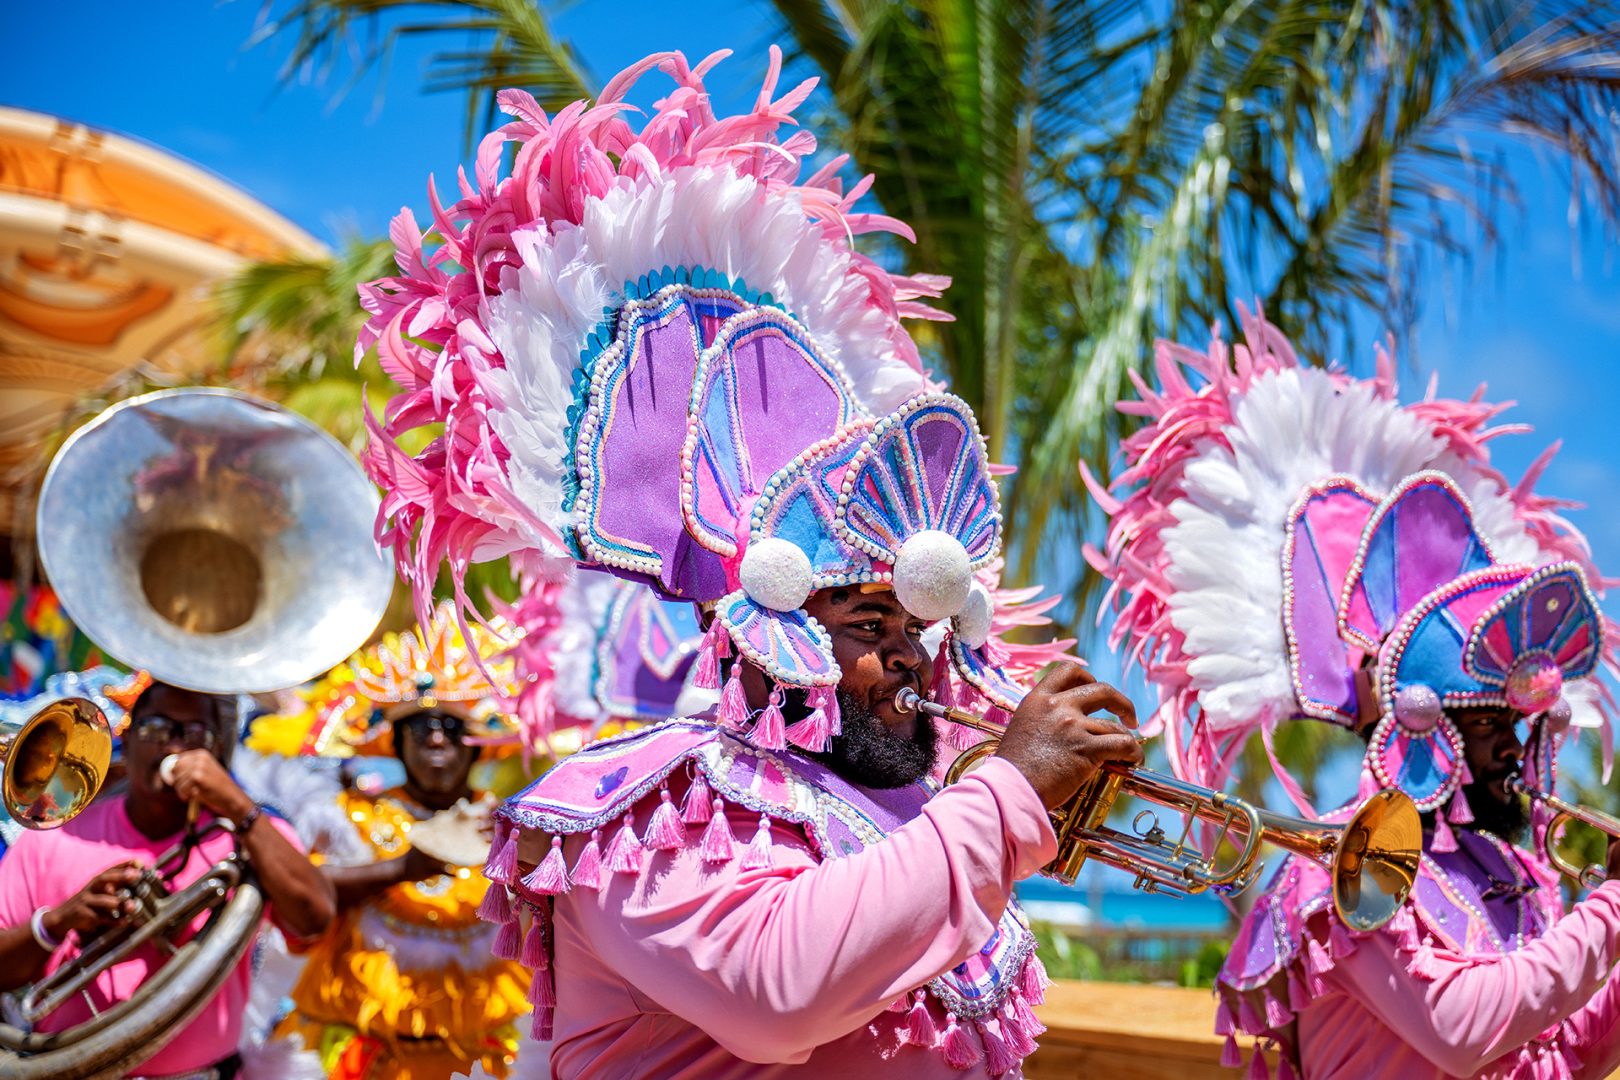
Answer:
(1373, 857)
(1589, 876)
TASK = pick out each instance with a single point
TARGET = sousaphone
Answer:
(224, 544)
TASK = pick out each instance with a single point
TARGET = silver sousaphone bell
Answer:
(219, 541)
(225, 545)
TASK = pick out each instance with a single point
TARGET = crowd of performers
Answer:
(667, 386)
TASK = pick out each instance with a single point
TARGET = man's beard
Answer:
(866, 752)
(1506, 820)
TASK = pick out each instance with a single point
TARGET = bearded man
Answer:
(1367, 567)
(672, 363)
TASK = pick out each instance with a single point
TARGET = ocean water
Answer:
(1113, 903)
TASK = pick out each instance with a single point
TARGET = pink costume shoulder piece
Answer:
(691, 816)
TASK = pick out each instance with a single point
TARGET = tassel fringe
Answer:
(496, 907)
(534, 956)
(588, 867)
(718, 845)
(665, 832)
(502, 865)
(695, 810)
(624, 854)
(550, 878)
(961, 1052)
(758, 855)
(919, 1029)
(509, 942)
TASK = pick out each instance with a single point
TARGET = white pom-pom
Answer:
(775, 573)
(932, 576)
(973, 621)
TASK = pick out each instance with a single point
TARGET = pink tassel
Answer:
(624, 854)
(1424, 964)
(706, 669)
(541, 1026)
(733, 702)
(758, 855)
(1458, 812)
(1248, 1019)
(825, 698)
(768, 733)
(542, 991)
(1465, 775)
(509, 942)
(496, 907)
(588, 867)
(1403, 929)
(1224, 1024)
(1299, 998)
(1024, 1014)
(1285, 1068)
(920, 1030)
(939, 686)
(1340, 943)
(1257, 1066)
(995, 714)
(998, 1056)
(1444, 841)
(695, 809)
(813, 733)
(550, 878)
(963, 737)
(718, 845)
(1231, 1056)
(1032, 981)
(960, 1050)
(665, 831)
(502, 864)
(1019, 1039)
(534, 948)
(899, 1004)
(1277, 1015)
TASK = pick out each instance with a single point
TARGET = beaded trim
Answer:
(971, 465)
(1584, 665)
(1358, 565)
(609, 363)
(795, 630)
(1321, 490)
(712, 365)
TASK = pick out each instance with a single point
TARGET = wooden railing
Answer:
(1128, 1032)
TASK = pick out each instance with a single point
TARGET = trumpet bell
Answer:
(1375, 861)
(53, 762)
(219, 541)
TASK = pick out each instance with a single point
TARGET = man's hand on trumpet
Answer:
(1058, 742)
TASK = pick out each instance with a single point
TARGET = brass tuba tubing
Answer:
(1373, 857)
(1590, 876)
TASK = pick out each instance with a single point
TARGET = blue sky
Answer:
(1526, 322)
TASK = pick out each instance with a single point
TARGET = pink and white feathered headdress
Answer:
(1283, 526)
(657, 352)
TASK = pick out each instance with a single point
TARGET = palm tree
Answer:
(1095, 173)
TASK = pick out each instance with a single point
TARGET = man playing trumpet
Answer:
(60, 889)
(673, 364)
(1309, 547)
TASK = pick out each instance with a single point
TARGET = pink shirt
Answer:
(697, 971)
(1377, 1020)
(42, 869)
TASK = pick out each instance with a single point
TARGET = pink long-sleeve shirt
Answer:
(1377, 1020)
(705, 971)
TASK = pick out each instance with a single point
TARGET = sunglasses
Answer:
(199, 734)
(422, 724)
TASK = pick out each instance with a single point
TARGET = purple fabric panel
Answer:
(939, 440)
(641, 448)
(636, 685)
(1432, 537)
(1544, 623)
(1319, 659)
(784, 402)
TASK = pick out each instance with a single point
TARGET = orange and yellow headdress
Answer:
(436, 666)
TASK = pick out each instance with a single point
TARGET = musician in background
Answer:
(59, 889)
(405, 984)
(686, 374)
(1310, 547)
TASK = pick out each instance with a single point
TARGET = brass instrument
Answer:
(219, 541)
(1373, 857)
(1590, 876)
(52, 763)
(225, 545)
